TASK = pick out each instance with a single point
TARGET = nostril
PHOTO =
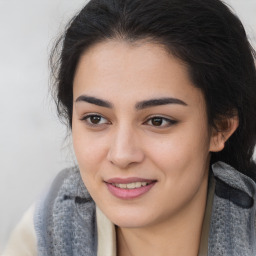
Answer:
(122, 159)
(125, 148)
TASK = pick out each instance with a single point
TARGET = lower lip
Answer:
(123, 193)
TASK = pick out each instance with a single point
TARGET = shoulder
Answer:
(233, 213)
(66, 190)
(55, 216)
(65, 215)
(22, 241)
(66, 186)
(234, 185)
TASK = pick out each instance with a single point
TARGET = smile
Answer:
(129, 188)
(131, 185)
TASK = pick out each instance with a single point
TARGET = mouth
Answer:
(131, 185)
(129, 188)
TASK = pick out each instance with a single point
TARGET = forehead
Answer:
(117, 69)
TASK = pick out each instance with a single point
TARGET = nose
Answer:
(125, 148)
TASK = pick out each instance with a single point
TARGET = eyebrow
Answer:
(158, 102)
(139, 106)
(95, 101)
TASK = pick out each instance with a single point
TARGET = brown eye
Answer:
(95, 119)
(157, 121)
(161, 122)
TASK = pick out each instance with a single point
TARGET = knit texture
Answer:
(232, 231)
(65, 220)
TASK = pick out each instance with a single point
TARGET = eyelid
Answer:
(85, 118)
(167, 119)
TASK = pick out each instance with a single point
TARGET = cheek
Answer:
(187, 149)
(184, 163)
(89, 150)
(88, 155)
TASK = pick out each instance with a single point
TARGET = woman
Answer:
(160, 98)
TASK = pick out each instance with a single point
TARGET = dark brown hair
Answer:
(204, 34)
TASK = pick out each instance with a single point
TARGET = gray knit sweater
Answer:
(65, 219)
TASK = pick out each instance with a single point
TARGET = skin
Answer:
(124, 141)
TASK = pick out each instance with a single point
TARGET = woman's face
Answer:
(140, 133)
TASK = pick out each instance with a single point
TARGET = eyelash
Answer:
(168, 122)
(88, 122)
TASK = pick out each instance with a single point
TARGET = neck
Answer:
(179, 235)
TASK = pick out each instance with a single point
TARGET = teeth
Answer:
(122, 185)
(131, 185)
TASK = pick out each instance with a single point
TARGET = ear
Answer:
(223, 129)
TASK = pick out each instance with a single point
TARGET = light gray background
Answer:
(32, 146)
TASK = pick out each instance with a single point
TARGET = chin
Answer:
(131, 223)
(128, 219)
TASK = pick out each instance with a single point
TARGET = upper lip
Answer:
(128, 180)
